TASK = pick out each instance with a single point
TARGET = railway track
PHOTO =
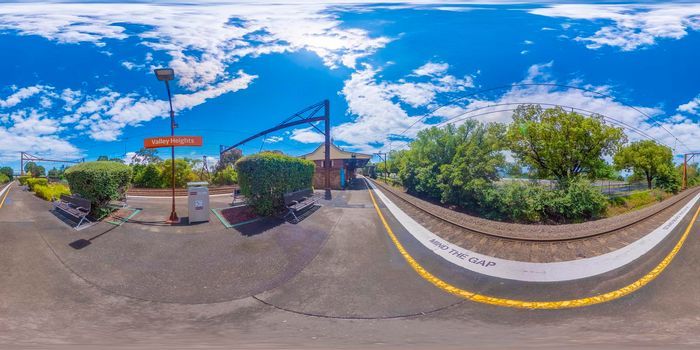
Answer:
(604, 238)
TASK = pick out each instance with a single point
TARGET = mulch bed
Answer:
(238, 215)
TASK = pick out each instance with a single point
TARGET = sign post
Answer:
(172, 142)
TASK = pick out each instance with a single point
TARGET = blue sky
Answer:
(78, 78)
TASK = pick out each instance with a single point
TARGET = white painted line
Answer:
(5, 189)
(529, 271)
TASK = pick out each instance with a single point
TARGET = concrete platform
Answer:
(333, 277)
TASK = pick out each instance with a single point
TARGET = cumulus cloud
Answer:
(633, 26)
(431, 68)
(307, 135)
(202, 40)
(19, 95)
(116, 111)
(692, 107)
(380, 107)
(274, 139)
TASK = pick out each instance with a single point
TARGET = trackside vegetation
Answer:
(265, 177)
(461, 166)
(100, 182)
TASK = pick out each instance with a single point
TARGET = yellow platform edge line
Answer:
(524, 304)
(5, 196)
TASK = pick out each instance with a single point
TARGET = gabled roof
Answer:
(336, 153)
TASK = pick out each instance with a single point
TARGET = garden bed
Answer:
(236, 216)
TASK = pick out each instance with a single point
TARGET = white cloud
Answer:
(307, 135)
(132, 66)
(202, 40)
(431, 69)
(633, 26)
(274, 139)
(379, 106)
(70, 98)
(116, 111)
(22, 94)
(692, 107)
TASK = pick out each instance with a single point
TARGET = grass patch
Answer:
(635, 201)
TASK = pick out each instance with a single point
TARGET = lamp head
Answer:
(164, 74)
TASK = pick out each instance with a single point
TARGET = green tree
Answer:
(148, 176)
(560, 144)
(453, 164)
(102, 158)
(55, 173)
(7, 171)
(227, 176)
(146, 156)
(228, 158)
(648, 159)
(34, 170)
(183, 173)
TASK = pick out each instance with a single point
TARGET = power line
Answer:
(463, 97)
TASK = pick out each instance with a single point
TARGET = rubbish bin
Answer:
(198, 201)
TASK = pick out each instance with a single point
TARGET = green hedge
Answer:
(4, 178)
(51, 192)
(265, 177)
(100, 182)
(37, 181)
(23, 179)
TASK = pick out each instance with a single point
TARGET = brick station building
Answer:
(343, 166)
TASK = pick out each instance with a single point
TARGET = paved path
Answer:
(51, 295)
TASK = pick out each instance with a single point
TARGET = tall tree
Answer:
(647, 159)
(228, 158)
(146, 156)
(34, 170)
(7, 171)
(102, 158)
(560, 144)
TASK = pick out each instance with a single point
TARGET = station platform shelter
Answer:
(344, 165)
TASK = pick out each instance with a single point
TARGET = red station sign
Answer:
(169, 141)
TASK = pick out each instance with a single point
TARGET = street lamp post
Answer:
(166, 75)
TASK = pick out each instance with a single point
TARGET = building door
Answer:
(342, 178)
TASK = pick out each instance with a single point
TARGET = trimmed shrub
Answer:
(100, 182)
(36, 181)
(265, 177)
(4, 178)
(51, 192)
(23, 179)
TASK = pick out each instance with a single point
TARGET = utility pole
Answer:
(205, 167)
(687, 158)
(382, 156)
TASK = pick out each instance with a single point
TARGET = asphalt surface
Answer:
(334, 280)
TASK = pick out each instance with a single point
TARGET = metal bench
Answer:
(299, 201)
(77, 207)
